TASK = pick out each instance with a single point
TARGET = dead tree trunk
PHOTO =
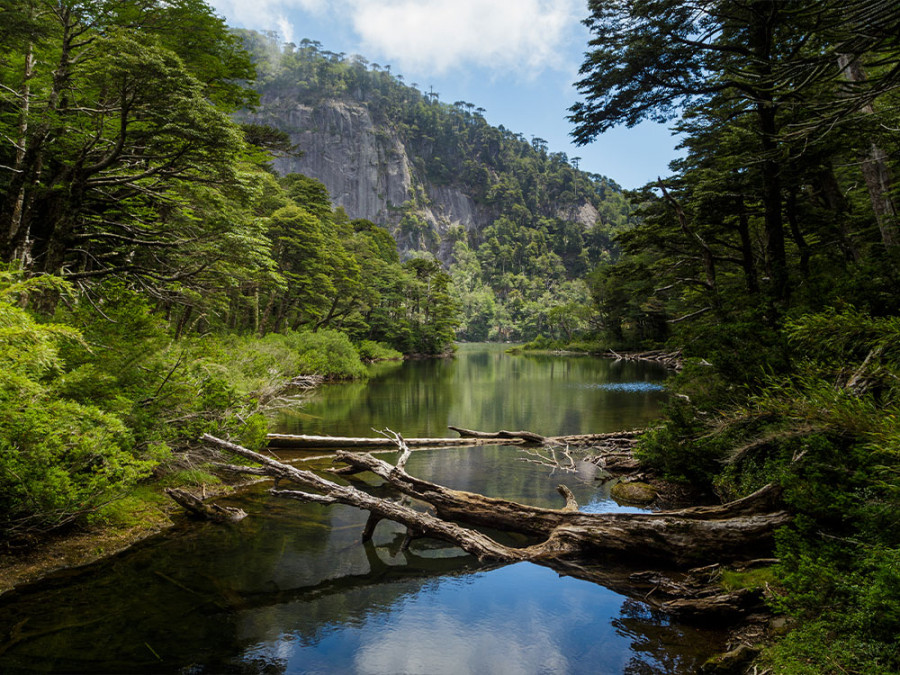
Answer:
(719, 533)
(199, 508)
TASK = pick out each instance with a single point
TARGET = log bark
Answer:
(301, 441)
(726, 532)
(674, 360)
(468, 437)
(197, 507)
(526, 436)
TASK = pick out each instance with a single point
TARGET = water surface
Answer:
(291, 588)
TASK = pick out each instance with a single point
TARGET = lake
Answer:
(291, 589)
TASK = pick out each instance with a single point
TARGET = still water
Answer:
(292, 590)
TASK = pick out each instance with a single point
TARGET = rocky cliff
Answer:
(367, 167)
(401, 158)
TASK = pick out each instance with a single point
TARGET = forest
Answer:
(518, 270)
(771, 257)
(161, 281)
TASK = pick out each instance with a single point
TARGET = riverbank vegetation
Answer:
(771, 257)
(158, 280)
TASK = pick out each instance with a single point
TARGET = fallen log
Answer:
(726, 532)
(673, 359)
(301, 441)
(197, 507)
(526, 436)
(467, 437)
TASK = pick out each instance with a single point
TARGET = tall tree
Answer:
(107, 119)
(651, 58)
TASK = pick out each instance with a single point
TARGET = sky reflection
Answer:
(520, 619)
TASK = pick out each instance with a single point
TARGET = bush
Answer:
(59, 459)
(369, 350)
(681, 449)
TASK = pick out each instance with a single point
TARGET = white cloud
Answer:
(434, 36)
(267, 14)
(440, 35)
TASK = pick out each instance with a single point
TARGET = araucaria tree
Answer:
(795, 88)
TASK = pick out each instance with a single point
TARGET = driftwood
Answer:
(526, 436)
(301, 441)
(197, 507)
(726, 532)
(673, 359)
(467, 437)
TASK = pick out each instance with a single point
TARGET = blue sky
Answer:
(517, 59)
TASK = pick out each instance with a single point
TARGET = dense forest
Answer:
(162, 280)
(159, 279)
(537, 225)
(771, 257)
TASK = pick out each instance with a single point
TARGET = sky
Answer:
(517, 59)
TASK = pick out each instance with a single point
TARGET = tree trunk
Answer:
(874, 165)
(747, 250)
(776, 259)
(834, 200)
(730, 531)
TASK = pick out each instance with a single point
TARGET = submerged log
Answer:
(197, 507)
(725, 532)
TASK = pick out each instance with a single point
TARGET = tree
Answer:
(761, 58)
(109, 117)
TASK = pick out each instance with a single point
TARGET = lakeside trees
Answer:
(159, 281)
(527, 245)
(771, 251)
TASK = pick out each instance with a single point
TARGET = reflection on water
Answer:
(485, 388)
(292, 589)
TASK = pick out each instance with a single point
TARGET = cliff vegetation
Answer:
(517, 226)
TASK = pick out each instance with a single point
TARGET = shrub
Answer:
(369, 350)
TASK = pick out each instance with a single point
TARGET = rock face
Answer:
(371, 172)
(367, 168)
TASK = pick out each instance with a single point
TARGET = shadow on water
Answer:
(291, 588)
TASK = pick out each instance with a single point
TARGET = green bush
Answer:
(328, 353)
(369, 350)
(59, 459)
(682, 449)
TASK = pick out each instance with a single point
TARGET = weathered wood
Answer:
(670, 359)
(684, 536)
(199, 508)
(467, 437)
(526, 436)
(721, 606)
(301, 441)
(722, 532)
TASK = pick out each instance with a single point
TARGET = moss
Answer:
(634, 492)
(752, 579)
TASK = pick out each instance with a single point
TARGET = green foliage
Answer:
(519, 274)
(757, 578)
(369, 350)
(681, 448)
(327, 352)
(58, 458)
(827, 435)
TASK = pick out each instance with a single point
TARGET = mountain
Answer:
(514, 222)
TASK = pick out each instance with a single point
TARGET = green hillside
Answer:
(538, 225)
